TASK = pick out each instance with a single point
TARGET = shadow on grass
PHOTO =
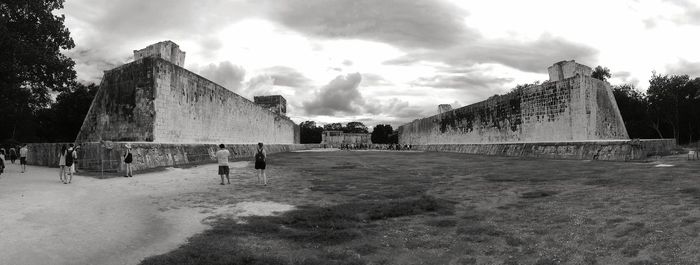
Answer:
(309, 227)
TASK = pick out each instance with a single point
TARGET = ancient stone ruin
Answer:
(336, 138)
(174, 116)
(573, 112)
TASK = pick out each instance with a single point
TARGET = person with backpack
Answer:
(260, 157)
(70, 157)
(62, 163)
(128, 158)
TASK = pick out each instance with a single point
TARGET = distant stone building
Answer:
(167, 50)
(336, 138)
(274, 103)
(442, 108)
(567, 69)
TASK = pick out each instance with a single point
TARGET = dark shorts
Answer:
(223, 170)
(259, 164)
(22, 160)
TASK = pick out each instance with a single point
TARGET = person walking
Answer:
(222, 157)
(23, 157)
(13, 154)
(62, 163)
(260, 157)
(70, 167)
(128, 158)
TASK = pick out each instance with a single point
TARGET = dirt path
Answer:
(110, 221)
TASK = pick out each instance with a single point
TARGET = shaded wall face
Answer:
(577, 108)
(191, 109)
(123, 108)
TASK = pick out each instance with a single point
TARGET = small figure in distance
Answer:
(222, 157)
(13, 154)
(260, 157)
(70, 157)
(62, 163)
(128, 158)
(23, 157)
(2, 160)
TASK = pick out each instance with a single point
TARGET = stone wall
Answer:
(123, 108)
(620, 150)
(93, 156)
(574, 109)
(153, 100)
(192, 109)
(335, 138)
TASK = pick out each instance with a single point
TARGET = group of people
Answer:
(222, 157)
(13, 154)
(66, 163)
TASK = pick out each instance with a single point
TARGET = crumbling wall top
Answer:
(566, 69)
(167, 50)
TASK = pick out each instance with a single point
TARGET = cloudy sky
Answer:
(388, 61)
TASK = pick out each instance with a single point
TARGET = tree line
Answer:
(310, 132)
(668, 109)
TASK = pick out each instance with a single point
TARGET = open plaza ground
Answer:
(361, 207)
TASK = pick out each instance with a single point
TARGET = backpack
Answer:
(128, 158)
(259, 157)
(69, 157)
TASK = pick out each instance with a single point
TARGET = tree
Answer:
(381, 133)
(601, 73)
(310, 133)
(634, 108)
(334, 127)
(31, 63)
(62, 122)
(355, 127)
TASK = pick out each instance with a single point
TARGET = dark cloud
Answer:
(684, 67)
(225, 74)
(287, 76)
(137, 19)
(412, 24)
(91, 63)
(469, 81)
(339, 96)
(531, 56)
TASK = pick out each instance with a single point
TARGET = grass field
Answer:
(446, 208)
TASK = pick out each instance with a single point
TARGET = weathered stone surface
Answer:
(567, 69)
(274, 103)
(621, 150)
(94, 156)
(577, 108)
(166, 50)
(153, 100)
(335, 138)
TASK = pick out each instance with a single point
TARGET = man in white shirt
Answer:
(23, 157)
(222, 157)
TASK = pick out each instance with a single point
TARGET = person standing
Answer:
(13, 154)
(62, 163)
(70, 158)
(222, 157)
(2, 160)
(128, 158)
(260, 157)
(23, 157)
